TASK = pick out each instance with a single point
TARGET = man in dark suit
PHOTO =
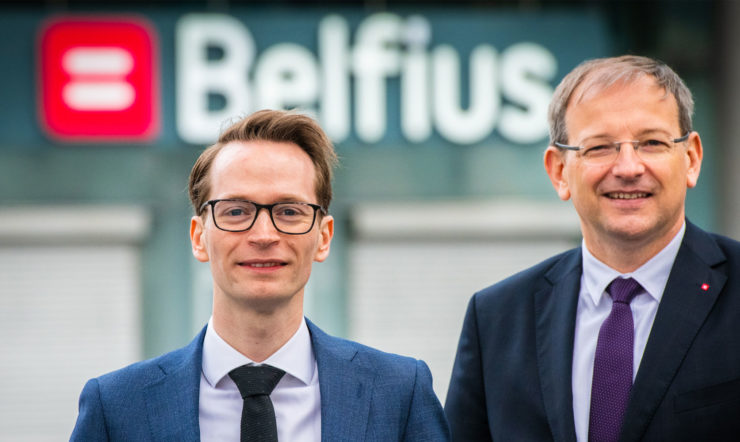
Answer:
(635, 335)
(259, 370)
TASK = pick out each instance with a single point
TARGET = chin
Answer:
(258, 293)
(633, 230)
(265, 302)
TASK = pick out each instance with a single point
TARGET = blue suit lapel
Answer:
(346, 387)
(683, 309)
(172, 399)
(555, 312)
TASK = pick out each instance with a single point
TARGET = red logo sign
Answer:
(99, 79)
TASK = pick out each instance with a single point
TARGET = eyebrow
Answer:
(281, 199)
(654, 131)
(639, 134)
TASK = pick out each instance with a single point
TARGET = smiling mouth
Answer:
(263, 264)
(627, 195)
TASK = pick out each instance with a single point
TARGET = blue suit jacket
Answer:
(512, 375)
(366, 395)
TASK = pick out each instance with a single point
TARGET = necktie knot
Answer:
(624, 289)
(254, 380)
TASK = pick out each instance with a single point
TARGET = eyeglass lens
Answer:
(607, 151)
(293, 218)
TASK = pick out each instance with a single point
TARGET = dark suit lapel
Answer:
(172, 399)
(346, 388)
(683, 309)
(555, 312)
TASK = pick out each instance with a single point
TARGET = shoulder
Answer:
(387, 364)
(132, 378)
(111, 405)
(712, 248)
(728, 260)
(332, 353)
(381, 362)
(139, 373)
(405, 405)
(729, 246)
(540, 276)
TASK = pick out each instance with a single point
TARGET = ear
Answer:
(326, 233)
(197, 240)
(694, 154)
(555, 166)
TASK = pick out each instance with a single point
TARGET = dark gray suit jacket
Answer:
(512, 374)
(366, 395)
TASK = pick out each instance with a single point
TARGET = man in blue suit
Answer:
(635, 334)
(322, 387)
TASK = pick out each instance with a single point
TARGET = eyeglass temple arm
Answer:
(683, 138)
(565, 146)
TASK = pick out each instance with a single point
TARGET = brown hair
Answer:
(270, 125)
(593, 76)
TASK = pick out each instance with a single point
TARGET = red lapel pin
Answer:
(705, 287)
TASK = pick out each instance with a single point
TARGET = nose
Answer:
(628, 163)
(263, 232)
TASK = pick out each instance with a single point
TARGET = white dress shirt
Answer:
(296, 398)
(594, 305)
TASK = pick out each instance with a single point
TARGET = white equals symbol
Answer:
(98, 78)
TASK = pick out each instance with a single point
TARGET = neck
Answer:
(253, 333)
(621, 261)
(627, 255)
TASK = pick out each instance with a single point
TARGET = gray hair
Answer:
(595, 75)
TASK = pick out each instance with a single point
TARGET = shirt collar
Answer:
(295, 357)
(652, 276)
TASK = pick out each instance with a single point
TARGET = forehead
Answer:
(246, 168)
(636, 103)
(606, 77)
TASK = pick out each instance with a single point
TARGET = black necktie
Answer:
(255, 383)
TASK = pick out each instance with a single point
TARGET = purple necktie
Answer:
(612, 379)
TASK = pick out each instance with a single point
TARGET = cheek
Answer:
(584, 191)
(587, 180)
(575, 180)
(220, 246)
(670, 177)
(307, 251)
(680, 174)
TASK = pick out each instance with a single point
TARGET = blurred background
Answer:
(437, 110)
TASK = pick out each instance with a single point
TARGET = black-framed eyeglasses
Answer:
(602, 152)
(238, 215)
